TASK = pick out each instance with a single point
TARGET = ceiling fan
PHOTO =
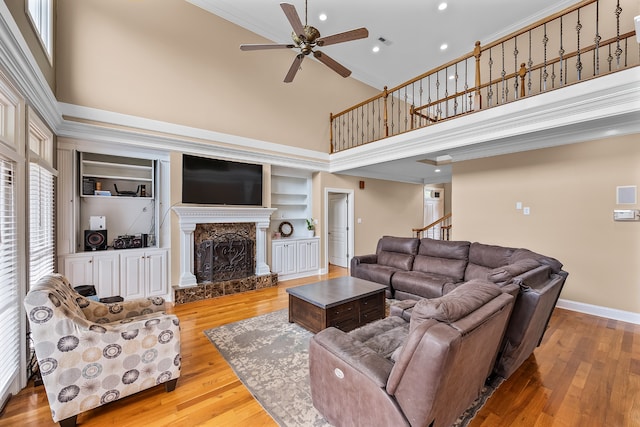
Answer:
(307, 38)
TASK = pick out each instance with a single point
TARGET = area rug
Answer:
(271, 358)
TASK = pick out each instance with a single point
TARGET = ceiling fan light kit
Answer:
(307, 38)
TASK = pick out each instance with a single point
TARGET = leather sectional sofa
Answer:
(422, 370)
(413, 269)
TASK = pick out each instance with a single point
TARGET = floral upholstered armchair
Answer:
(91, 353)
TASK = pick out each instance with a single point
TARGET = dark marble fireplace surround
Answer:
(224, 261)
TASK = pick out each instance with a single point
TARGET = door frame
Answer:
(350, 223)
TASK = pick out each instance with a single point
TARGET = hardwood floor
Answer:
(585, 373)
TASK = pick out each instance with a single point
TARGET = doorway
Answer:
(433, 207)
(339, 226)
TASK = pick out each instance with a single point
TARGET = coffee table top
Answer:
(332, 292)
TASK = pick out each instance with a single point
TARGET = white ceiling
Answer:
(414, 30)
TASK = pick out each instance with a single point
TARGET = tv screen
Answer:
(220, 182)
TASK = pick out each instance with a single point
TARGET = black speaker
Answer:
(95, 240)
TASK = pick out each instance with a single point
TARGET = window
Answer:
(41, 14)
(9, 301)
(41, 201)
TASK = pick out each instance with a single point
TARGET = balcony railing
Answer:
(588, 40)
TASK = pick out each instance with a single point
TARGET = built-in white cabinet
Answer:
(292, 258)
(126, 191)
(143, 273)
(100, 270)
(129, 273)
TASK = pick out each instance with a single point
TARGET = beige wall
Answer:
(171, 61)
(571, 191)
(18, 11)
(385, 207)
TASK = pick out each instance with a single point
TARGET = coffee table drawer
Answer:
(344, 311)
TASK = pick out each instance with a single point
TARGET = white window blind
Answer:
(41, 222)
(9, 309)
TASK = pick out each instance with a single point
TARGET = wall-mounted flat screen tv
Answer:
(220, 182)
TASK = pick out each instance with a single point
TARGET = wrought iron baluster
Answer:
(490, 92)
(561, 53)
(578, 59)
(545, 74)
(597, 39)
(455, 89)
(618, 50)
(529, 67)
(515, 68)
(503, 73)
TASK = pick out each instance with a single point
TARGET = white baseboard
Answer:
(596, 310)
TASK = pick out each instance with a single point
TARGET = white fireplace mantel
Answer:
(189, 216)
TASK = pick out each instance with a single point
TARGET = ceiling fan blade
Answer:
(265, 46)
(292, 15)
(294, 68)
(360, 33)
(326, 60)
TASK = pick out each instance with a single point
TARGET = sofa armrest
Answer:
(111, 312)
(536, 278)
(356, 355)
(399, 308)
(364, 259)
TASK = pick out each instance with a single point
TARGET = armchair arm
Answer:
(106, 313)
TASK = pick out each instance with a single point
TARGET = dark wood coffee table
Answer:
(345, 303)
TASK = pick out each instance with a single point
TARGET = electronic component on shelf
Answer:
(129, 241)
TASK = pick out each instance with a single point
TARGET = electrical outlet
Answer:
(518, 205)
(526, 210)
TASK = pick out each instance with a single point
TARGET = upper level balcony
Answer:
(541, 86)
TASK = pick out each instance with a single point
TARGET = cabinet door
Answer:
(106, 275)
(308, 251)
(290, 258)
(79, 270)
(314, 254)
(303, 255)
(277, 257)
(156, 277)
(132, 274)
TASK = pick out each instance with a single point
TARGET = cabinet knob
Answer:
(90, 261)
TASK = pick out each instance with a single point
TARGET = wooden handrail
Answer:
(419, 231)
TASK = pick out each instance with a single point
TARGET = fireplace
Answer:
(222, 251)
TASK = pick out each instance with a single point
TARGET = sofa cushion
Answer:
(489, 255)
(425, 285)
(375, 273)
(402, 245)
(395, 260)
(520, 254)
(442, 257)
(455, 305)
(504, 274)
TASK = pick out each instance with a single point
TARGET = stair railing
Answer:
(439, 229)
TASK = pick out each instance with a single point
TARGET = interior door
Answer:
(433, 209)
(338, 229)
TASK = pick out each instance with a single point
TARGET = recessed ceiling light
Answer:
(444, 46)
(437, 170)
(376, 49)
(323, 17)
(442, 6)
(452, 77)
